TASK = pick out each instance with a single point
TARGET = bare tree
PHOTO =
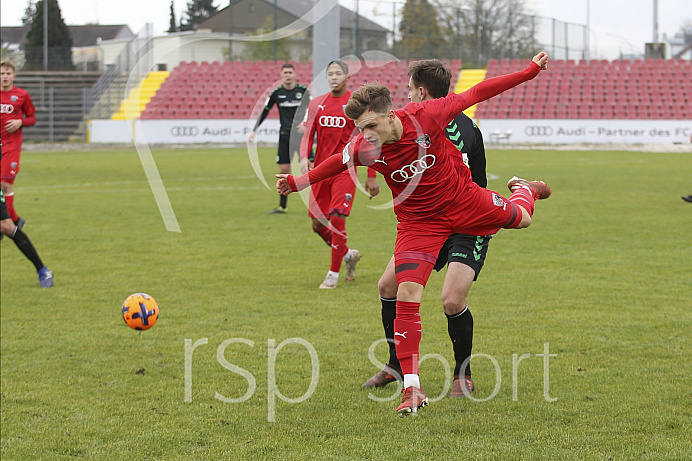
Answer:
(29, 13)
(484, 29)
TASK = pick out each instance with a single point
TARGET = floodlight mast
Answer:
(655, 21)
(45, 35)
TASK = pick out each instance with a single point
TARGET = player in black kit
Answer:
(292, 99)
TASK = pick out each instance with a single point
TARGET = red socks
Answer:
(339, 248)
(523, 197)
(407, 334)
(9, 201)
(326, 234)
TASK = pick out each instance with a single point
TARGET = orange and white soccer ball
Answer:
(140, 311)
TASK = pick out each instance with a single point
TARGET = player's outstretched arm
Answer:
(287, 183)
(496, 85)
(450, 106)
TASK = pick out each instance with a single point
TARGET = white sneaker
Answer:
(351, 259)
(330, 282)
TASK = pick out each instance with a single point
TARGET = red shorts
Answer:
(418, 242)
(333, 195)
(9, 165)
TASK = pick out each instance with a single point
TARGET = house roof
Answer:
(298, 8)
(347, 17)
(13, 35)
(86, 35)
(82, 36)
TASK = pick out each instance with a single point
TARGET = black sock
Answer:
(388, 316)
(460, 328)
(283, 199)
(25, 246)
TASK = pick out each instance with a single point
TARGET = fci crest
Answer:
(423, 141)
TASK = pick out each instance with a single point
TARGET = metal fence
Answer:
(131, 65)
(473, 36)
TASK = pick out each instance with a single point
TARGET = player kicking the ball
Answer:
(433, 198)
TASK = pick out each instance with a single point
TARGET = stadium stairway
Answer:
(467, 79)
(135, 103)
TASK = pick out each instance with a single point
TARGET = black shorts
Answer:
(465, 249)
(289, 145)
(4, 214)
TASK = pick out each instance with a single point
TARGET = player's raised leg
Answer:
(524, 196)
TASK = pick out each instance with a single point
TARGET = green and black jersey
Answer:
(467, 137)
(292, 105)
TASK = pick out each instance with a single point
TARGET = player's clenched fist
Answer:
(282, 186)
(541, 59)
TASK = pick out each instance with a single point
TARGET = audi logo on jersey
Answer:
(184, 131)
(6, 108)
(415, 168)
(332, 122)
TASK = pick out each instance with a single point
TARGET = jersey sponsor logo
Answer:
(184, 131)
(538, 130)
(332, 122)
(416, 167)
(289, 104)
(6, 108)
(423, 141)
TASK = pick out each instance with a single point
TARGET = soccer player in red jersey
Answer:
(433, 197)
(16, 111)
(463, 254)
(331, 200)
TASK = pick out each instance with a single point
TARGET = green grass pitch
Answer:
(603, 279)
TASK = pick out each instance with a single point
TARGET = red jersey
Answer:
(422, 167)
(15, 104)
(325, 116)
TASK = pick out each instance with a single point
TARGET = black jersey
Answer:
(467, 137)
(291, 104)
